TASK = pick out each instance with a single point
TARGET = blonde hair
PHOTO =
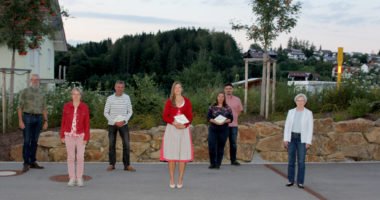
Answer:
(172, 95)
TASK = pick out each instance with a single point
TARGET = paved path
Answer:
(150, 182)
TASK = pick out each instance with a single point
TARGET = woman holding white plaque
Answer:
(219, 115)
(177, 144)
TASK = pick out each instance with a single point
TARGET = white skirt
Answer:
(176, 145)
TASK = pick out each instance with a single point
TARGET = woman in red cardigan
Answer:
(75, 133)
(177, 144)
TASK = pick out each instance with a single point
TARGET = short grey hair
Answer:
(120, 82)
(300, 95)
(78, 90)
(35, 75)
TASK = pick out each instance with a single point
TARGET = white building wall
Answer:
(39, 61)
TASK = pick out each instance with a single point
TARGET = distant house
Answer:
(347, 71)
(254, 53)
(37, 61)
(296, 54)
(252, 82)
(374, 59)
(331, 59)
(303, 76)
(308, 81)
(364, 68)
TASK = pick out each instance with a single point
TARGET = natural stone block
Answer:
(322, 145)
(140, 136)
(356, 125)
(357, 152)
(58, 154)
(16, 152)
(246, 135)
(266, 129)
(138, 148)
(323, 126)
(245, 152)
(201, 153)
(348, 139)
(272, 143)
(336, 157)
(49, 139)
(374, 135)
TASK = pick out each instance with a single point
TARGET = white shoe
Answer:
(179, 186)
(80, 182)
(71, 182)
(172, 186)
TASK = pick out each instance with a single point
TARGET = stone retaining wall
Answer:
(357, 139)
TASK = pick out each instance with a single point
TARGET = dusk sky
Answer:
(351, 24)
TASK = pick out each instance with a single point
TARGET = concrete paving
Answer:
(150, 182)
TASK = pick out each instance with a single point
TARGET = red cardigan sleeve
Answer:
(166, 115)
(86, 125)
(188, 111)
(63, 122)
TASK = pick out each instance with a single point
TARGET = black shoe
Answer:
(212, 167)
(217, 167)
(36, 166)
(289, 184)
(300, 186)
(25, 168)
(236, 163)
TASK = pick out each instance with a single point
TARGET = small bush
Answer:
(144, 121)
(359, 107)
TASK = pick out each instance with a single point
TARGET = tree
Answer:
(272, 18)
(256, 47)
(23, 25)
(290, 43)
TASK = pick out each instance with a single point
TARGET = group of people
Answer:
(176, 148)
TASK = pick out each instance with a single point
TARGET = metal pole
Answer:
(4, 101)
(246, 86)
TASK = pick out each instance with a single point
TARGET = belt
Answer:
(32, 114)
(296, 134)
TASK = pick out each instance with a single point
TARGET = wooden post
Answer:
(263, 82)
(274, 86)
(246, 86)
(3, 98)
(64, 72)
(267, 91)
(60, 72)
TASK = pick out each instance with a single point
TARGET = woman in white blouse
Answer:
(298, 133)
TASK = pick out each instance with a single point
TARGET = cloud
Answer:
(131, 18)
(340, 6)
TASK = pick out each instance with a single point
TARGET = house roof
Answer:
(249, 80)
(59, 38)
(302, 74)
(258, 54)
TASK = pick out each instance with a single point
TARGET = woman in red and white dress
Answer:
(177, 144)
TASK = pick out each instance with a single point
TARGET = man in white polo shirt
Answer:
(118, 111)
